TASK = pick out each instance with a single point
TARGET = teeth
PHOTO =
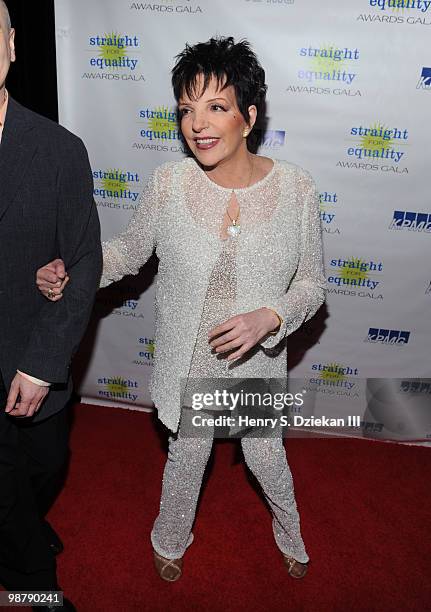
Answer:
(205, 140)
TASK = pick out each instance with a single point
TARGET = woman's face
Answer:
(212, 124)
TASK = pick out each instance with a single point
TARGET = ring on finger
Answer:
(50, 294)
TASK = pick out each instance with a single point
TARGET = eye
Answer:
(184, 111)
(218, 107)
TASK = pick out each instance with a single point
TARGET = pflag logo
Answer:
(355, 277)
(355, 272)
(389, 337)
(398, 12)
(328, 205)
(334, 371)
(118, 387)
(401, 5)
(146, 346)
(167, 7)
(377, 147)
(160, 124)
(412, 221)
(114, 51)
(114, 184)
(334, 378)
(145, 356)
(329, 63)
(327, 69)
(425, 80)
(378, 142)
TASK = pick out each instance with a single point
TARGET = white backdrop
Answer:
(348, 99)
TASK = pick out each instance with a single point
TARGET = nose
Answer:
(200, 121)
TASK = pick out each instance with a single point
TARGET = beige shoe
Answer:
(168, 569)
(294, 567)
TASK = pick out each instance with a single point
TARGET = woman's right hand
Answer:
(52, 279)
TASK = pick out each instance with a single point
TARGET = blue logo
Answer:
(327, 199)
(166, 6)
(145, 354)
(387, 336)
(355, 272)
(147, 344)
(419, 5)
(273, 139)
(378, 142)
(117, 387)
(425, 79)
(335, 369)
(329, 63)
(161, 124)
(413, 221)
(415, 386)
(114, 51)
(116, 184)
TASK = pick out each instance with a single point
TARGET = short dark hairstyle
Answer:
(230, 63)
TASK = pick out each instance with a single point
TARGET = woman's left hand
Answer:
(242, 331)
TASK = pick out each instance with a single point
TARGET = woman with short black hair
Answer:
(239, 242)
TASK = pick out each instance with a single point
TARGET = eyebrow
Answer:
(211, 100)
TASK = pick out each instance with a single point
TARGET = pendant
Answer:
(233, 230)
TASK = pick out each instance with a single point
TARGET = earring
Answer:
(245, 133)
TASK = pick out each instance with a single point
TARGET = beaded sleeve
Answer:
(129, 251)
(306, 292)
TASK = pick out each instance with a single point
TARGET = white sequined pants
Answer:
(182, 479)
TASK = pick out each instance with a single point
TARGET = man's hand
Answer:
(25, 397)
(52, 279)
(242, 332)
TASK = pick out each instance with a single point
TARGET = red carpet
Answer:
(365, 510)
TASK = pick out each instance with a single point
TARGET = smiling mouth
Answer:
(206, 143)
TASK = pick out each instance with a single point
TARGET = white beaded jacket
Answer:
(279, 264)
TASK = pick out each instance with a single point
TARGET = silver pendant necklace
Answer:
(235, 228)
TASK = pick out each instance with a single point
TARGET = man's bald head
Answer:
(7, 47)
(4, 16)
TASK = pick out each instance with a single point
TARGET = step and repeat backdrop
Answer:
(349, 94)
